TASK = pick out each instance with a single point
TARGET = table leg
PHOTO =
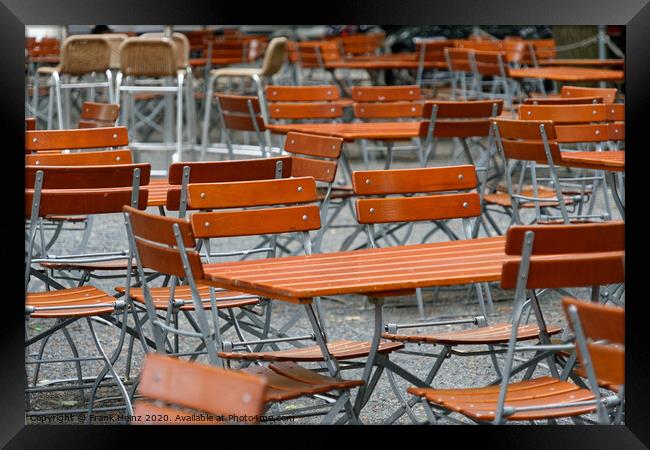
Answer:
(372, 355)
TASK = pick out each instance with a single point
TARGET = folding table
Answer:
(375, 273)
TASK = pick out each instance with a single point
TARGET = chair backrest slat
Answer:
(76, 139)
(102, 158)
(562, 100)
(387, 110)
(320, 170)
(575, 238)
(385, 93)
(607, 94)
(462, 109)
(157, 246)
(522, 140)
(206, 388)
(87, 177)
(313, 145)
(95, 201)
(96, 115)
(573, 113)
(413, 209)
(251, 193)
(567, 270)
(256, 221)
(324, 93)
(305, 110)
(409, 181)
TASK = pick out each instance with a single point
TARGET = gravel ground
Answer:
(348, 317)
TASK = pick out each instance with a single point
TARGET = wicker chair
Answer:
(155, 59)
(81, 56)
(274, 57)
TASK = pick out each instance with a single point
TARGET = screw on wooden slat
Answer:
(368, 181)
(293, 141)
(465, 204)
(206, 224)
(305, 217)
(460, 176)
(299, 188)
(372, 210)
(115, 136)
(35, 140)
(203, 195)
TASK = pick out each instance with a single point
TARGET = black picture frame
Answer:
(634, 14)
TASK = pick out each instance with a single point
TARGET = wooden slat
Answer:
(76, 139)
(608, 94)
(228, 171)
(462, 109)
(79, 201)
(524, 129)
(257, 221)
(87, 177)
(353, 131)
(305, 110)
(320, 170)
(412, 209)
(167, 260)
(313, 145)
(576, 238)
(562, 101)
(243, 122)
(389, 110)
(103, 112)
(568, 74)
(407, 181)
(101, 158)
(302, 93)
(385, 93)
(238, 103)
(159, 229)
(573, 113)
(202, 387)
(251, 193)
(530, 151)
(570, 271)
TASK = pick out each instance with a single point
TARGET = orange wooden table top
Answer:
(356, 130)
(568, 73)
(582, 62)
(298, 279)
(613, 160)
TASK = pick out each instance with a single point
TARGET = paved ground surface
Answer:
(347, 317)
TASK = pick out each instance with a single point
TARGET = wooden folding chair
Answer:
(76, 190)
(432, 51)
(600, 338)
(599, 127)
(169, 246)
(241, 113)
(381, 103)
(173, 298)
(303, 104)
(173, 386)
(552, 257)
(310, 57)
(537, 143)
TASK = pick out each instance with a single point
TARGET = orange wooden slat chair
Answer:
(600, 338)
(304, 104)
(196, 394)
(175, 298)
(239, 113)
(77, 190)
(382, 103)
(153, 236)
(432, 52)
(552, 257)
(537, 143)
(310, 59)
(98, 115)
